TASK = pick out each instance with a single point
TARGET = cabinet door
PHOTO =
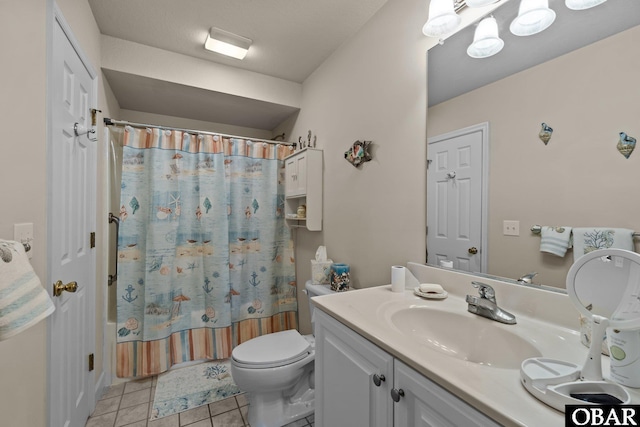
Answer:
(346, 363)
(290, 174)
(301, 178)
(425, 403)
(296, 175)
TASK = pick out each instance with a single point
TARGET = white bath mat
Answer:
(186, 388)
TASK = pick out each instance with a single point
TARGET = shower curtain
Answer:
(205, 259)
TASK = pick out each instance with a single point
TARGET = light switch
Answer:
(23, 233)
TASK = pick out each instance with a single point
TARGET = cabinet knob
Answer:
(396, 394)
(378, 379)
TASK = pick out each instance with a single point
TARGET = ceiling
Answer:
(451, 72)
(291, 38)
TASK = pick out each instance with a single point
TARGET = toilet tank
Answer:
(314, 290)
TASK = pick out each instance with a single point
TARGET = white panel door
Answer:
(455, 198)
(71, 219)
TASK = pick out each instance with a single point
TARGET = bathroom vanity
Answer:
(363, 385)
(395, 359)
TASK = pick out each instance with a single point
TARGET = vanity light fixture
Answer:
(533, 17)
(486, 41)
(582, 4)
(227, 43)
(442, 18)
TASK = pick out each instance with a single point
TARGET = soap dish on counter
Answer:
(430, 295)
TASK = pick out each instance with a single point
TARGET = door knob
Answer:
(378, 379)
(473, 250)
(59, 287)
(396, 394)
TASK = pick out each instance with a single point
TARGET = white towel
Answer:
(589, 239)
(23, 301)
(555, 240)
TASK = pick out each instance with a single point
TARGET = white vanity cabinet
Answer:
(303, 186)
(348, 368)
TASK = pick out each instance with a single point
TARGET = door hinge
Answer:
(93, 115)
(92, 239)
(91, 362)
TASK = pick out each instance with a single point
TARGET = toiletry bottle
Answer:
(624, 352)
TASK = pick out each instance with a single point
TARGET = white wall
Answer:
(180, 122)
(372, 88)
(134, 58)
(22, 170)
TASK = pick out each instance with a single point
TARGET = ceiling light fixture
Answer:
(582, 4)
(227, 43)
(533, 17)
(442, 19)
(486, 41)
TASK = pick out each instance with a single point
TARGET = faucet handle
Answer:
(485, 291)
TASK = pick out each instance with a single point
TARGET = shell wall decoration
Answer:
(626, 145)
(358, 153)
(545, 133)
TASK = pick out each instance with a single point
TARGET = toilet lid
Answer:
(277, 349)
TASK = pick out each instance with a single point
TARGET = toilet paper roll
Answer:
(397, 278)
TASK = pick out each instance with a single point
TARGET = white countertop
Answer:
(497, 392)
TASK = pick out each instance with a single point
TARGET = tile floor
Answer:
(129, 405)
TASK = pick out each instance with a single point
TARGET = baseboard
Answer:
(100, 387)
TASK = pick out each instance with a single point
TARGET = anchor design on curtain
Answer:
(205, 259)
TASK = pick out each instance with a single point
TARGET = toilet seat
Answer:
(272, 350)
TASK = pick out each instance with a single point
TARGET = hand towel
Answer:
(589, 239)
(555, 240)
(23, 300)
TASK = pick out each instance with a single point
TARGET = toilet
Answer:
(276, 371)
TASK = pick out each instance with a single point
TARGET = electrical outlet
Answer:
(23, 233)
(511, 228)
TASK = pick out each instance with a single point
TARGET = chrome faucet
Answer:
(527, 278)
(485, 305)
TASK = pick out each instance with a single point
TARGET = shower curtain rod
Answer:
(111, 122)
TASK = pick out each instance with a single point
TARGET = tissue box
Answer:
(321, 272)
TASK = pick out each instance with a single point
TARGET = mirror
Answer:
(607, 283)
(588, 94)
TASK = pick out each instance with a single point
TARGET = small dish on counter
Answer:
(430, 295)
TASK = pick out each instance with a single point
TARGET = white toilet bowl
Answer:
(276, 371)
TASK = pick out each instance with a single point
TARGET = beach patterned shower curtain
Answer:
(205, 260)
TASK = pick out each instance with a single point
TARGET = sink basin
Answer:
(465, 336)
